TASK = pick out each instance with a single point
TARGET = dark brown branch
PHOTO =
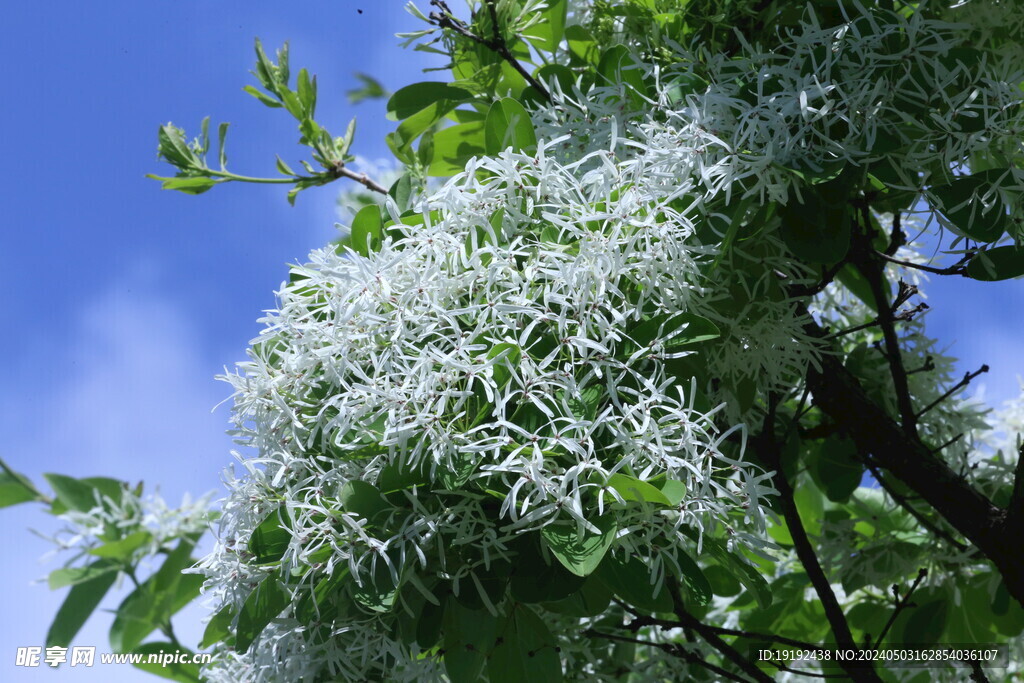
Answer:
(906, 505)
(892, 353)
(803, 546)
(958, 268)
(897, 238)
(712, 638)
(905, 315)
(977, 673)
(901, 604)
(674, 650)
(1015, 509)
(841, 397)
(338, 170)
(445, 19)
(959, 385)
(641, 620)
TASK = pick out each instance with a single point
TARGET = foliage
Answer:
(599, 403)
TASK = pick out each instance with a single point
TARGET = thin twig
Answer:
(1015, 508)
(901, 604)
(804, 548)
(445, 19)
(905, 504)
(897, 238)
(642, 620)
(674, 650)
(959, 385)
(906, 315)
(948, 443)
(958, 268)
(338, 170)
(712, 638)
(977, 673)
(892, 352)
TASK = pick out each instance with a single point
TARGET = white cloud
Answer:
(133, 402)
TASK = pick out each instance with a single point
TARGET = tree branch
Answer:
(901, 604)
(959, 385)
(958, 268)
(840, 396)
(674, 650)
(712, 638)
(338, 170)
(445, 19)
(641, 620)
(804, 548)
(905, 504)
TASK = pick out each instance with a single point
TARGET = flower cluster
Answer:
(538, 350)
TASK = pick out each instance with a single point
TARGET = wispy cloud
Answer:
(131, 398)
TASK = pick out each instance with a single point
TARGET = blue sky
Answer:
(124, 301)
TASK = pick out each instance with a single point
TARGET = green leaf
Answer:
(469, 636)
(367, 230)
(835, 468)
(960, 201)
(536, 578)
(590, 600)
(171, 145)
(362, 499)
(222, 136)
(72, 576)
(673, 330)
(263, 605)
(306, 89)
(722, 582)
(428, 627)
(156, 600)
(186, 184)
(72, 494)
(265, 99)
(416, 97)
(370, 89)
(879, 565)
(924, 623)
(508, 125)
(506, 356)
(218, 629)
(581, 555)
(458, 470)
(817, 174)
(815, 230)
(270, 539)
(850, 277)
(547, 33)
(454, 146)
(698, 588)
(619, 66)
(123, 548)
(326, 601)
(633, 489)
(749, 576)
(1000, 263)
(674, 490)
(582, 46)
(172, 670)
(527, 650)
(402, 192)
(15, 489)
(76, 608)
(630, 580)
